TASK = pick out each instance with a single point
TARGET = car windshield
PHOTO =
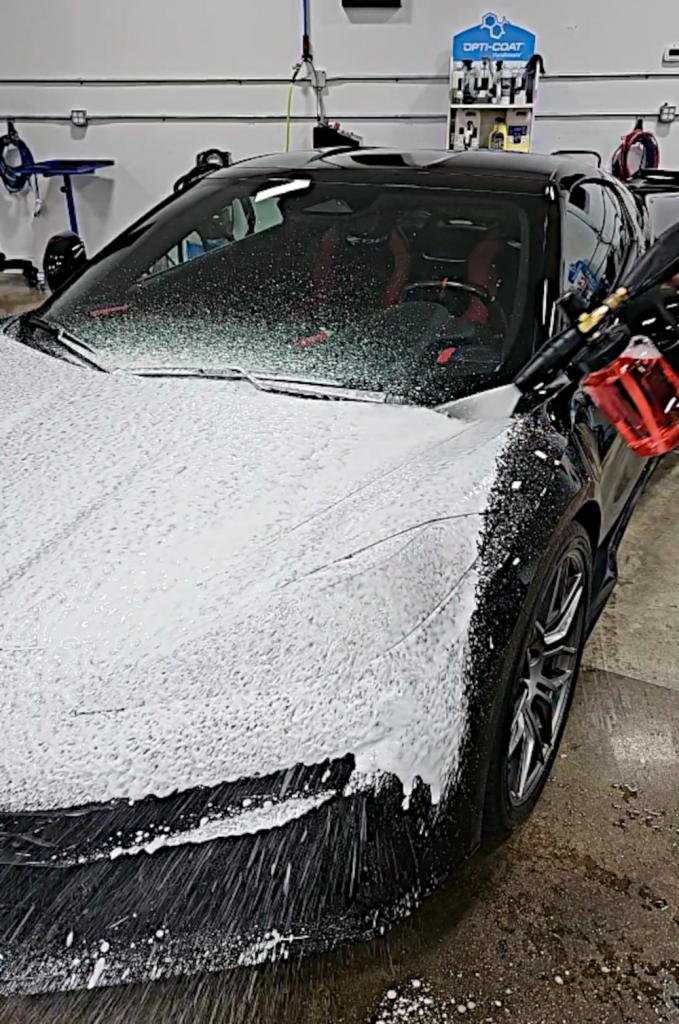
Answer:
(420, 294)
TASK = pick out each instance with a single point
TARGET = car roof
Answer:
(496, 171)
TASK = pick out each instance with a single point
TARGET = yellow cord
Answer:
(295, 72)
(289, 118)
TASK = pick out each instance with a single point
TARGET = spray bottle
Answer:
(483, 79)
(518, 85)
(504, 75)
(496, 82)
(468, 86)
(534, 66)
(458, 83)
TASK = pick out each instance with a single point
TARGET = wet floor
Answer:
(575, 919)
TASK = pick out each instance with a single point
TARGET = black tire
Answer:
(507, 802)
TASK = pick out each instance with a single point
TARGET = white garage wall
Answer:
(133, 39)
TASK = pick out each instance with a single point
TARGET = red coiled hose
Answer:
(650, 154)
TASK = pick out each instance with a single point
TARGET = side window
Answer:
(623, 237)
(596, 239)
(635, 217)
(235, 222)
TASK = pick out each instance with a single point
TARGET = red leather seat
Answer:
(400, 275)
(481, 271)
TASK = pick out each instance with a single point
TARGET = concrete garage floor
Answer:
(15, 296)
(575, 919)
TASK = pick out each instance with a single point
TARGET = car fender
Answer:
(546, 477)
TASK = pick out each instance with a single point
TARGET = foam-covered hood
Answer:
(201, 582)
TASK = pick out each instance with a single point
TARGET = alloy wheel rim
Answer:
(547, 679)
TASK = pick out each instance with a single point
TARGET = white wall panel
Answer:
(43, 39)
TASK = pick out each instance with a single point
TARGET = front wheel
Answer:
(539, 688)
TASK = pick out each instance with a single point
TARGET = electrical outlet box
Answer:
(79, 118)
(671, 55)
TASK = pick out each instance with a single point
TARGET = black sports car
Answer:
(280, 633)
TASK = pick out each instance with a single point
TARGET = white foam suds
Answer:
(99, 968)
(201, 582)
(257, 820)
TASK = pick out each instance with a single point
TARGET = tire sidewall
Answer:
(499, 815)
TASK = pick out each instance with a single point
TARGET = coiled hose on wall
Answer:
(13, 177)
(645, 143)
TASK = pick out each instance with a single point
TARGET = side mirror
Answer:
(64, 256)
(645, 302)
(648, 296)
(573, 305)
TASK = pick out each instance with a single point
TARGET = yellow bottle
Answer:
(519, 131)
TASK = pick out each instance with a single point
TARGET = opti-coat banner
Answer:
(496, 38)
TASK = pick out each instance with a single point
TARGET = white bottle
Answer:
(469, 83)
(471, 120)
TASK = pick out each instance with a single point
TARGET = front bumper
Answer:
(344, 871)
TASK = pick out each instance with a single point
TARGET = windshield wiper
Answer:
(66, 342)
(218, 373)
(279, 384)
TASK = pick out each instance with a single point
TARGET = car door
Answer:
(600, 242)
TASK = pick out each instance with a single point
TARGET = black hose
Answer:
(555, 356)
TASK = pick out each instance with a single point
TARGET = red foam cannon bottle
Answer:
(639, 393)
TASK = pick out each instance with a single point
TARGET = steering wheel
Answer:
(494, 307)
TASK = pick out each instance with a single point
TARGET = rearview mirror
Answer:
(642, 300)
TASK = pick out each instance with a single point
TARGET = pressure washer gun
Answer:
(625, 354)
